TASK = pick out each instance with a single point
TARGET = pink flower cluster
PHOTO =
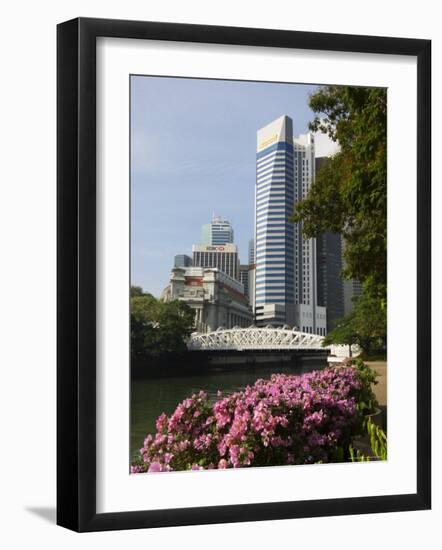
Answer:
(284, 420)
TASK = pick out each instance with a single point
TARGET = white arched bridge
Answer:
(256, 339)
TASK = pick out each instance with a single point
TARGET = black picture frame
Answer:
(76, 273)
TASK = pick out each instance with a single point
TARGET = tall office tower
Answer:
(251, 289)
(286, 284)
(305, 249)
(251, 251)
(330, 283)
(224, 257)
(217, 232)
(182, 260)
(244, 277)
(252, 274)
(352, 288)
(329, 267)
(310, 316)
(274, 234)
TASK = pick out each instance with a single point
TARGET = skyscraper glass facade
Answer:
(218, 232)
(286, 278)
(251, 251)
(274, 233)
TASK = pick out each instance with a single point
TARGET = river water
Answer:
(150, 397)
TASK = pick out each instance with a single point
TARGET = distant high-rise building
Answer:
(329, 267)
(286, 285)
(244, 277)
(305, 249)
(330, 283)
(252, 273)
(352, 289)
(217, 232)
(251, 251)
(182, 260)
(224, 257)
(310, 315)
(252, 282)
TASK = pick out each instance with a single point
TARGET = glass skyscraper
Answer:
(286, 278)
(329, 266)
(274, 233)
(218, 232)
(251, 251)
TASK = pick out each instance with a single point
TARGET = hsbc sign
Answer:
(227, 248)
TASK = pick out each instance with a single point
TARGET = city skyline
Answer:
(179, 182)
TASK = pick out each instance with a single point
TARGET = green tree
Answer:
(349, 194)
(136, 291)
(158, 327)
(343, 333)
(143, 316)
(366, 326)
(370, 322)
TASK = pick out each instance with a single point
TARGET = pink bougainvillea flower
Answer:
(284, 420)
(155, 467)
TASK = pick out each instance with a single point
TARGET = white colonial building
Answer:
(217, 298)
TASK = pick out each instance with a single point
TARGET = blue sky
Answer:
(193, 145)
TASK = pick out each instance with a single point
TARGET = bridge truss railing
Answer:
(255, 338)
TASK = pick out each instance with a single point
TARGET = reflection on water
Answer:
(150, 397)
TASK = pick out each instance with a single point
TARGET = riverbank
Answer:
(197, 363)
(380, 389)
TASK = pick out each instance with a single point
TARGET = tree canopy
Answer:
(136, 291)
(158, 327)
(366, 326)
(344, 333)
(349, 194)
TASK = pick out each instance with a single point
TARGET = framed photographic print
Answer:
(243, 240)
